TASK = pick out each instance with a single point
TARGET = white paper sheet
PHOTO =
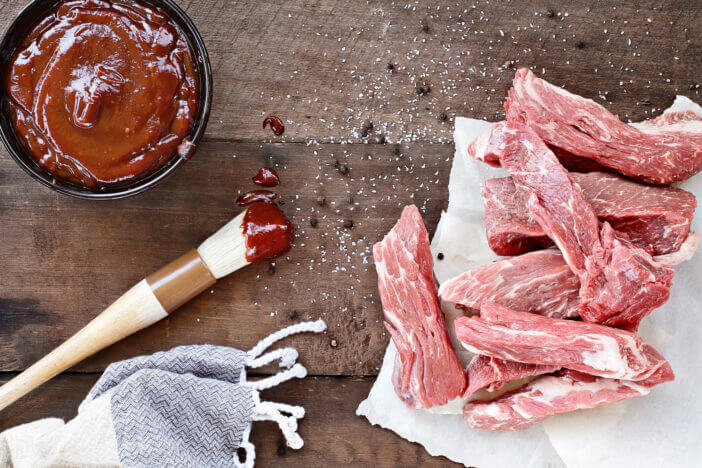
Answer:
(661, 429)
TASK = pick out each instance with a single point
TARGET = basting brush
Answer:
(260, 232)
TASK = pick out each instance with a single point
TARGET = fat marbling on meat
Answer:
(663, 150)
(620, 283)
(562, 392)
(538, 282)
(599, 350)
(654, 217)
(427, 372)
(492, 373)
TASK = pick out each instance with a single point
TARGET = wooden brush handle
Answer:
(146, 303)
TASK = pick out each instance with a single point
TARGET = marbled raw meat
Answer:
(564, 391)
(427, 372)
(599, 350)
(509, 227)
(492, 373)
(654, 217)
(620, 283)
(538, 282)
(663, 150)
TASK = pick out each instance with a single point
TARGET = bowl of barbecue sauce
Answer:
(103, 99)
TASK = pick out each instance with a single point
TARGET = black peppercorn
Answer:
(292, 313)
(391, 67)
(579, 44)
(313, 222)
(348, 224)
(364, 134)
(271, 270)
(442, 116)
(344, 169)
(440, 256)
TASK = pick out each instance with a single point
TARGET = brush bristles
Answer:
(224, 252)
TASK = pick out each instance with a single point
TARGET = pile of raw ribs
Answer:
(590, 232)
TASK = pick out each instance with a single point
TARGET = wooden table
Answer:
(322, 66)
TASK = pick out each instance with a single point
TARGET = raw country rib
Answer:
(492, 373)
(619, 282)
(538, 282)
(565, 391)
(427, 372)
(652, 216)
(667, 149)
(586, 347)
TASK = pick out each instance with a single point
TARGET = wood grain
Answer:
(333, 434)
(77, 256)
(328, 60)
(321, 65)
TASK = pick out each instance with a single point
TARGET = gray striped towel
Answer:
(191, 406)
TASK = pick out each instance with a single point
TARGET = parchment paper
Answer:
(661, 429)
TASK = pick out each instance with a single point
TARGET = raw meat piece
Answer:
(655, 217)
(586, 347)
(510, 228)
(565, 391)
(538, 282)
(626, 287)
(492, 373)
(427, 372)
(686, 251)
(664, 150)
(619, 282)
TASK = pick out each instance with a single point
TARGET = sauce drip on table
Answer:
(267, 231)
(266, 177)
(275, 123)
(256, 196)
(103, 93)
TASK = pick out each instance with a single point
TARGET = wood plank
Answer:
(64, 260)
(321, 65)
(333, 434)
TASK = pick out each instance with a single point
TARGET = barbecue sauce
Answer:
(256, 196)
(103, 93)
(267, 231)
(266, 177)
(276, 124)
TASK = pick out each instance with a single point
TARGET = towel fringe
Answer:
(286, 416)
(287, 357)
(316, 326)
